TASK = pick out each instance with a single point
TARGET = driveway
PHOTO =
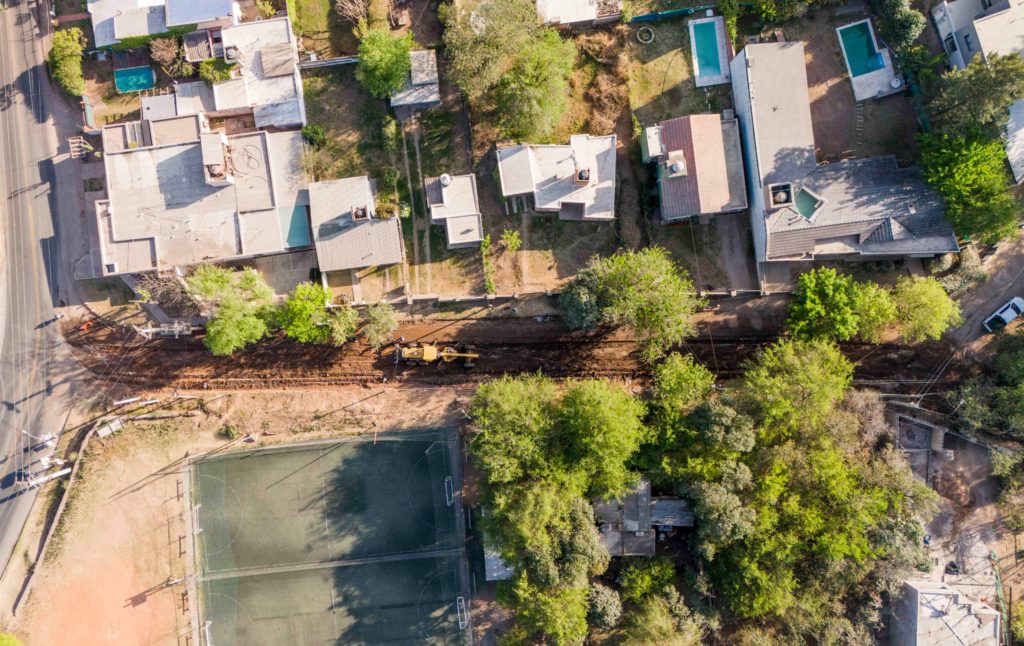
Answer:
(1006, 279)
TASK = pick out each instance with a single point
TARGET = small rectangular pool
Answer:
(706, 42)
(862, 55)
(134, 79)
(709, 51)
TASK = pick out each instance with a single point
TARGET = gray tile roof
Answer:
(188, 12)
(421, 88)
(345, 243)
(872, 205)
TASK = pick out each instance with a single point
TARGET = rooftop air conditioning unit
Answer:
(583, 176)
(360, 213)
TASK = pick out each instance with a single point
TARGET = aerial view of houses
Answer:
(504, 322)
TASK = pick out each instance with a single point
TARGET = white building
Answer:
(113, 20)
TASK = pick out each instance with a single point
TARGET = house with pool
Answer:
(802, 210)
(970, 29)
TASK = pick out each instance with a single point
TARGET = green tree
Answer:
(7, 639)
(484, 39)
(304, 315)
(724, 518)
(645, 290)
(511, 241)
(876, 311)
(643, 578)
(66, 60)
(795, 384)
(970, 173)
(515, 418)
(680, 384)
(824, 306)
(314, 135)
(925, 309)
(559, 615)
(532, 96)
(384, 62)
(600, 426)
(343, 324)
(239, 304)
(380, 322)
(980, 94)
(898, 24)
(664, 620)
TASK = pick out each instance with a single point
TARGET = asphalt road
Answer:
(32, 391)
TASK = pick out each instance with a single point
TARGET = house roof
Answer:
(190, 12)
(567, 12)
(781, 108)
(625, 523)
(1001, 29)
(139, 21)
(1015, 140)
(162, 211)
(937, 614)
(421, 87)
(457, 207)
(550, 173)
(267, 57)
(161, 106)
(712, 181)
(343, 242)
(194, 97)
(869, 206)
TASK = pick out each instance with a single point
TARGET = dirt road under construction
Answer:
(505, 345)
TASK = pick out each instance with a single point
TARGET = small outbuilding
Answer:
(453, 202)
(628, 525)
(422, 89)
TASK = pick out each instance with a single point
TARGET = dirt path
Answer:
(412, 209)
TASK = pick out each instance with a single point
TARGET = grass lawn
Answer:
(661, 77)
(640, 7)
(310, 16)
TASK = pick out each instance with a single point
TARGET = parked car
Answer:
(1006, 313)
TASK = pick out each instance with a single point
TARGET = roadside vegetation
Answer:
(806, 523)
(994, 403)
(834, 306)
(66, 60)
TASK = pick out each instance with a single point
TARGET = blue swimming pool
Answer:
(705, 42)
(862, 56)
(294, 226)
(134, 79)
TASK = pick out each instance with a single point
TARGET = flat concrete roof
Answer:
(457, 207)
(274, 94)
(550, 172)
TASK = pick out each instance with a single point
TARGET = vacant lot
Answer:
(123, 526)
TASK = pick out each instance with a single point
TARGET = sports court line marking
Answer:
(388, 558)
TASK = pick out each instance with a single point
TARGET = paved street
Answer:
(35, 366)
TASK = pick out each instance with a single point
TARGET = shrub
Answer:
(229, 432)
(511, 241)
(314, 135)
(343, 324)
(643, 578)
(605, 607)
(380, 322)
(925, 309)
(213, 70)
(66, 60)
(304, 315)
(898, 24)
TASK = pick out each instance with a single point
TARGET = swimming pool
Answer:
(709, 51)
(862, 55)
(294, 226)
(134, 79)
(705, 39)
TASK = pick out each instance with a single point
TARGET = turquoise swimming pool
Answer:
(134, 79)
(294, 226)
(862, 56)
(705, 40)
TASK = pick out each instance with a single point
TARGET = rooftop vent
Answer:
(360, 213)
(583, 176)
(676, 164)
(446, 179)
(780, 195)
(231, 53)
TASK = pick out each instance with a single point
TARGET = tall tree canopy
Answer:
(830, 305)
(532, 96)
(645, 290)
(384, 62)
(304, 315)
(66, 60)
(980, 94)
(969, 171)
(240, 305)
(925, 309)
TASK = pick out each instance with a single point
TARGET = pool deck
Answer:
(873, 85)
(724, 53)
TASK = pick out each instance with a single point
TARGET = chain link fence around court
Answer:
(351, 541)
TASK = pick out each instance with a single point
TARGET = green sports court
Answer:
(342, 542)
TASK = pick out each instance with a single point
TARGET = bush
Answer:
(66, 60)
(898, 24)
(314, 135)
(213, 70)
(384, 62)
(343, 324)
(605, 607)
(925, 309)
(380, 322)
(304, 315)
(511, 241)
(229, 432)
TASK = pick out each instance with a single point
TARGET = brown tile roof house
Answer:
(802, 210)
(700, 165)
(453, 202)
(346, 231)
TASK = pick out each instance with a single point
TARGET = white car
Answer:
(1006, 313)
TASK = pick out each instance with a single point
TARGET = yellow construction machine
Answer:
(427, 353)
